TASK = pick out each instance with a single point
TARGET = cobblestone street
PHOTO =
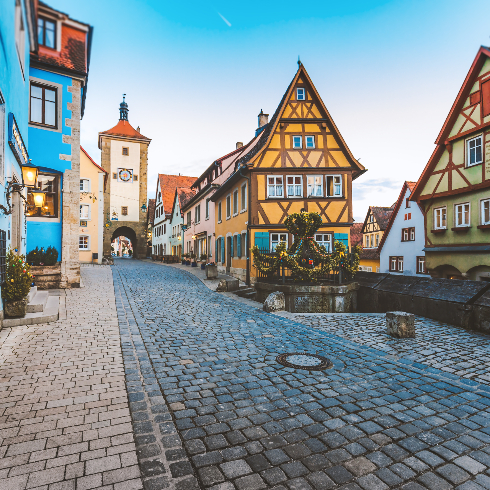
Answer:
(210, 408)
(213, 409)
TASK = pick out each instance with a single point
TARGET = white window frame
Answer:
(482, 211)
(312, 139)
(207, 208)
(462, 205)
(468, 150)
(440, 214)
(83, 187)
(393, 264)
(300, 93)
(400, 264)
(276, 186)
(298, 141)
(295, 186)
(328, 244)
(335, 186)
(84, 249)
(197, 214)
(273, 243)
(412, 234)
(377, 240)
(243, 197)
(421, 261)
(220, 216)
(235, 203)
(87, 207)
(314, 185)
(228, 206)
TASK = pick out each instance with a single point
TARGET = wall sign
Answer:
(16, 142)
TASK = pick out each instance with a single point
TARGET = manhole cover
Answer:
(302, 360)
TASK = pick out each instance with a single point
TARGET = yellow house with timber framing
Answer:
(297, 160)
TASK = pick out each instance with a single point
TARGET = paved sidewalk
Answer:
(64, 417)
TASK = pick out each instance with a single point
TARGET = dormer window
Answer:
(300, 94)
(46, 33)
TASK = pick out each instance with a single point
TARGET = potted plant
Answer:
(18, 281)
(193, 257)
(203, 258)
(183, 258)
(211, 271)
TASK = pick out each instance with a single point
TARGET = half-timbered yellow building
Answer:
(297, 160)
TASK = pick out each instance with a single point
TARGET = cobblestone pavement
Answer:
(213, 409)
(438, 345)
(64, 415)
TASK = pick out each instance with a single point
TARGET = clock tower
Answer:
(125, 159)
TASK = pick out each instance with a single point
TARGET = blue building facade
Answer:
(58, 77)
(402, 244)
(16, 41)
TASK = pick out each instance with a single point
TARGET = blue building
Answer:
(401, 247)
(58, 75)
(16, 41)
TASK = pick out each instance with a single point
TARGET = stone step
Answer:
(31, 294)
(38, 303)
(50, 314)
(244, 290)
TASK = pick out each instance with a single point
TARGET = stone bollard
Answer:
(400, 324)
(211, 271)
(275, 302)
(227, 285)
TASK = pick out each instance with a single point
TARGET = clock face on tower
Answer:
(125, 174)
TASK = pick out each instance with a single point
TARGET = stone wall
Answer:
(462, 303)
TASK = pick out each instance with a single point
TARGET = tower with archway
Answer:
(124, 156)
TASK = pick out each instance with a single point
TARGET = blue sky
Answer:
(196, 75)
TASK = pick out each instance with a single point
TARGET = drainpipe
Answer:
(247, 252)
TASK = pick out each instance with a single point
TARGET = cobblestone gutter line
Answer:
(163, 461)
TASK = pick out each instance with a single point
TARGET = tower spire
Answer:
(123, 109)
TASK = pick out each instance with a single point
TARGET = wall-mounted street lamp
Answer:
(193, 237)
(39, 197)
(144, 208)
(179, 238)
(29, 180)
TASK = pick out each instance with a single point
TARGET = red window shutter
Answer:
(485, 92)
(475, 97)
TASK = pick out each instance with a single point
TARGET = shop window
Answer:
(50, 185)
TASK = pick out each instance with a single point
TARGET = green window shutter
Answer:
(239, 245)
(262, 240)
(342, 237)
(222, 250)
(216, 244)
(245, 244)
(231, 246)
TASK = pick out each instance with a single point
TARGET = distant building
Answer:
(454, 188)
(356, 234)
(374, 226)
(92, 181)
(124, 156)
(58, 76)
(401, 248)
(149, 225)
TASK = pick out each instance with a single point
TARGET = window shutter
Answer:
(216, 244)
(342, 237)
(245, 245)
(222, 250)
(239, 245)
(231, 246)
(262, 240)
(485, 97)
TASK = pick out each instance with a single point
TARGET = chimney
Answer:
(263, 118)
(239, 144)
(138, 129)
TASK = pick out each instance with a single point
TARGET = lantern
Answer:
(29, 175)
(38, 197)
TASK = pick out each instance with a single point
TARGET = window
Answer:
(235, 202)
(124, 210)
(210, 250)
(244, 197)
(474, 154)
(83, 242)
(197, 214)
(125, 151)
(371, 218)
(219, 212)
(228, 207)
(412, 234)
(377, 239)
(277, 238)
(408, 234)
(325, 239)
(235, 245)
(440, 218)
(84, 185)
(396, 264)
(114, 176)
(300, 94)
(485, 212)
(43, 105)
(50, 185)
(20, 34)
(315, 185)
(164, 229)
(310, 142)
(46, 33)
(207, 208)
(462, 214)
(372, 241)
(421, 265)
(334, 186)
(244, 245)
(407, 202)
(274, 186)
(294, 185)
(297, 142)
(367, 241)
(84, 211)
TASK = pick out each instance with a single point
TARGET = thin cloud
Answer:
(224, 20)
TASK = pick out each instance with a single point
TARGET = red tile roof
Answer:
(124, 130)
(168, 184)
(356, 234)
(151, 211)
(90, 158)
(185, 195)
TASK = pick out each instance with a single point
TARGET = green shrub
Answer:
(18, 278)
(42, 257)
